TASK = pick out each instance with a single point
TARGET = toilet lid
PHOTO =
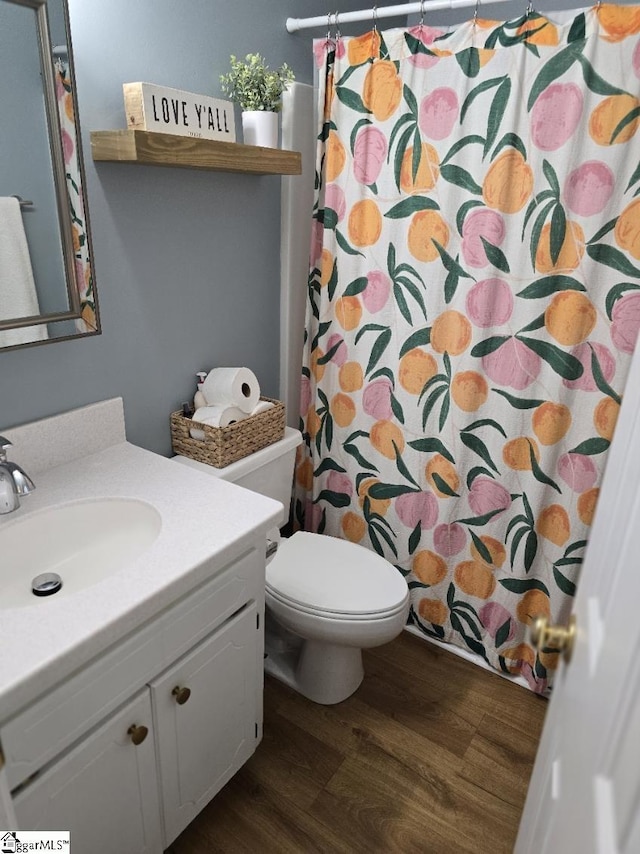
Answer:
(327, 574)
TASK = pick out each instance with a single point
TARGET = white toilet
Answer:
(327, 599)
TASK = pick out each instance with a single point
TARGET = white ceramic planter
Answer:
(260, 127)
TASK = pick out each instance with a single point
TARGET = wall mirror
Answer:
(47, 287)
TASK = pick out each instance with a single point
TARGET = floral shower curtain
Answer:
(87, 321)
(474, 300)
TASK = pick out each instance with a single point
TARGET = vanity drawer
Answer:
(59, 718)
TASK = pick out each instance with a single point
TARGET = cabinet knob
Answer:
(137, 733)
(181, 695)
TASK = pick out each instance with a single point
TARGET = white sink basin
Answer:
(83, 542)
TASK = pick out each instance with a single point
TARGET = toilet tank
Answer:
(268, 471)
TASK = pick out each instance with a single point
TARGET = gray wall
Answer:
(186, 262)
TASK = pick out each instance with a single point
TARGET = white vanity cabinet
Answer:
(187, 687)
(207, 720)
(103, 790)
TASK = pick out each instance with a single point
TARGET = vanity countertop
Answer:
(206, 523)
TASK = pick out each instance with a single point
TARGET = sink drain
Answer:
(46, 584)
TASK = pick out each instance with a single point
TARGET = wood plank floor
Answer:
(431, 754)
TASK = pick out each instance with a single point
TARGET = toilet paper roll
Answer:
(262, 406)
(232, 387)
(215, 416)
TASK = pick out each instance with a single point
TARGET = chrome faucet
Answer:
(14, 481)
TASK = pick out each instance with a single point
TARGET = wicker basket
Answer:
(222, 446)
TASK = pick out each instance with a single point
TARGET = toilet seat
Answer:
(337, 579)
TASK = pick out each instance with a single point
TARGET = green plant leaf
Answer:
(552, 178)
(564, 364)
(475, 472)
(403, 145)
(410, 99)
(328, 465)
(329, 219)
(496, 256)
(335, 499)
(443, 486)
(496, 113)
(354, 452)
(577, 29)
(612, 257)
(502, 635)
(521, 585)
(351, 100)
(416, 46)
(483, 348)
(615, 293)
(444, 410)
(558, 232)
(486, 422)
(381, 344)
(475, 444)
(356, 286)
(431, 401)
(382, 491)
(591, 446)
(328, 356)
(420, 338)
(474, 93)
(518, 402)
(460, 178)
(402, 303)
(566, 586)
(631, 116)
(406, 118)
(370, 327)
(550, 285)
(407, 207)
(431, 446)
(414, 539)
(354, 133)
(536, 231)
(634, 177)
(555, 67)
(483, 551)
(345, 246)
(470, 139)
(596, 83)
(536, 323)
(464, 209)
(599, 379)
(469, 61)
(510, 140)
(515, 544)
(538, 473)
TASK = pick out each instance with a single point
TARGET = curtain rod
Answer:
(295, 24)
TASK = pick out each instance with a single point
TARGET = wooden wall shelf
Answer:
(162, 149)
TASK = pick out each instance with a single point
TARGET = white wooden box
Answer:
(156, 108)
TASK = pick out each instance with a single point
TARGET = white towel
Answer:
(18, 297)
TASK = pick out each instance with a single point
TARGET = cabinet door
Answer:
(104, 790)
(208, 717)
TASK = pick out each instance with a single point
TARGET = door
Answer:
(208, 717)
(584, 793)
(104, 790)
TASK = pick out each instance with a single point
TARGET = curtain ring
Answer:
(374, 12)
(529, 9)
(337, 23)
(421, 14)
(329, 27)
(475, 14)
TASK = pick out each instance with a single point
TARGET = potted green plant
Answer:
(258, 90)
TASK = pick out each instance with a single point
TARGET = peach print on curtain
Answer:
(474, 299)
